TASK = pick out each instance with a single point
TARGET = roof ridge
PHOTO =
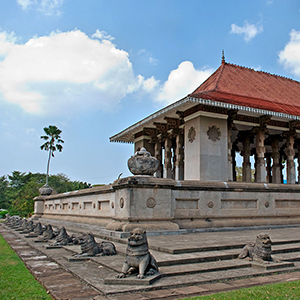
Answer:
(263, 72)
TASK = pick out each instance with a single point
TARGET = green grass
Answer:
(278, 291)
(16, 282)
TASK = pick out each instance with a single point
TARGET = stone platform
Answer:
(189, 264)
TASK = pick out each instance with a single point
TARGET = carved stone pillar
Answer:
(179, 164)
(231, 151)
(158, 156)
(233, 164)
(229, 162)
(282, 157)
(168, 158)
(276, 168)
(260, 169)
(269, 167)
(246, 152)
(298, 169)
(290, 155)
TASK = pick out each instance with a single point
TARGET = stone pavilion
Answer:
(237, 110)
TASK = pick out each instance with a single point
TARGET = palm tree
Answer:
(53, 143)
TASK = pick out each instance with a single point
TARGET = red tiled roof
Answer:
(246, 87)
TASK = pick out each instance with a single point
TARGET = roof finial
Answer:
(223, 57)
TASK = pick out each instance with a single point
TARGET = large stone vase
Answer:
(142, 163)
(45, 190)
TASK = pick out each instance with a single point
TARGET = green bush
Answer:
(3, 213)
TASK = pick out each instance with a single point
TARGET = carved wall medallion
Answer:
(214, 133)
(191, 134)
(150, 202)
(210, 204)
(267, 204)
(122, 202)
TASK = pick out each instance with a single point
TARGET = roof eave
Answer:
(127, 135)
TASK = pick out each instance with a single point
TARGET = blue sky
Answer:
(94, 67)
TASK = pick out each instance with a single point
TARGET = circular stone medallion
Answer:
(210, 204)
(150, 202)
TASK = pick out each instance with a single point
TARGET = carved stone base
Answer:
(148, 226)
(272, 265)
(132, 280)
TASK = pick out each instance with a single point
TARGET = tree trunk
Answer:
(48, 166)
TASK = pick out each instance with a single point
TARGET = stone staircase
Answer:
(183, 260)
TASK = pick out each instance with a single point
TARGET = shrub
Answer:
(3, 213)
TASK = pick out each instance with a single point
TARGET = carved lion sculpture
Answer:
(62, 238)
(89, 247)
(138, 257)
(260, 251)
(47, 235)
(107, 248)
(30, 226)
(38, 229)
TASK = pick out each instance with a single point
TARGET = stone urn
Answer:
(142, 163)
(45, 190)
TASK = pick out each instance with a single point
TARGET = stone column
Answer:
(276, 168)
(260, 169)
(158, 156)
(168, 158)
(281, 166)
(179, 165)
(298, 163)
(233, 164)
(246, 152)
(290, 155)
(229, 162)
(269, 167)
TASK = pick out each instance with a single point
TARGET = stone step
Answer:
(289, 256)
(285, 248)
(184, 249)
(177, 270)
(210, 256)
(218, 276)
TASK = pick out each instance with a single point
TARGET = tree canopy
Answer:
(18, 189)
(52, 143)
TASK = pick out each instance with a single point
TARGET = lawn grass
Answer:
(278, 291)
(16, 282)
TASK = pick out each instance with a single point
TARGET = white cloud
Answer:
(249, 31)
(102, 35)
(7, 41)
(48, 7)
(289, 57)
(153, 61)
(181, 82)
(25, 3)
(66, 72)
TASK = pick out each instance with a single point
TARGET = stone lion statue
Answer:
(138, 257)
(89, 247)
(260, 251)
(38, 229)
(47, 235)
(62, 238)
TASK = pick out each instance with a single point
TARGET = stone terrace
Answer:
(190, 264)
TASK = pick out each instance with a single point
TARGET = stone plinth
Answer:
(156, 204)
